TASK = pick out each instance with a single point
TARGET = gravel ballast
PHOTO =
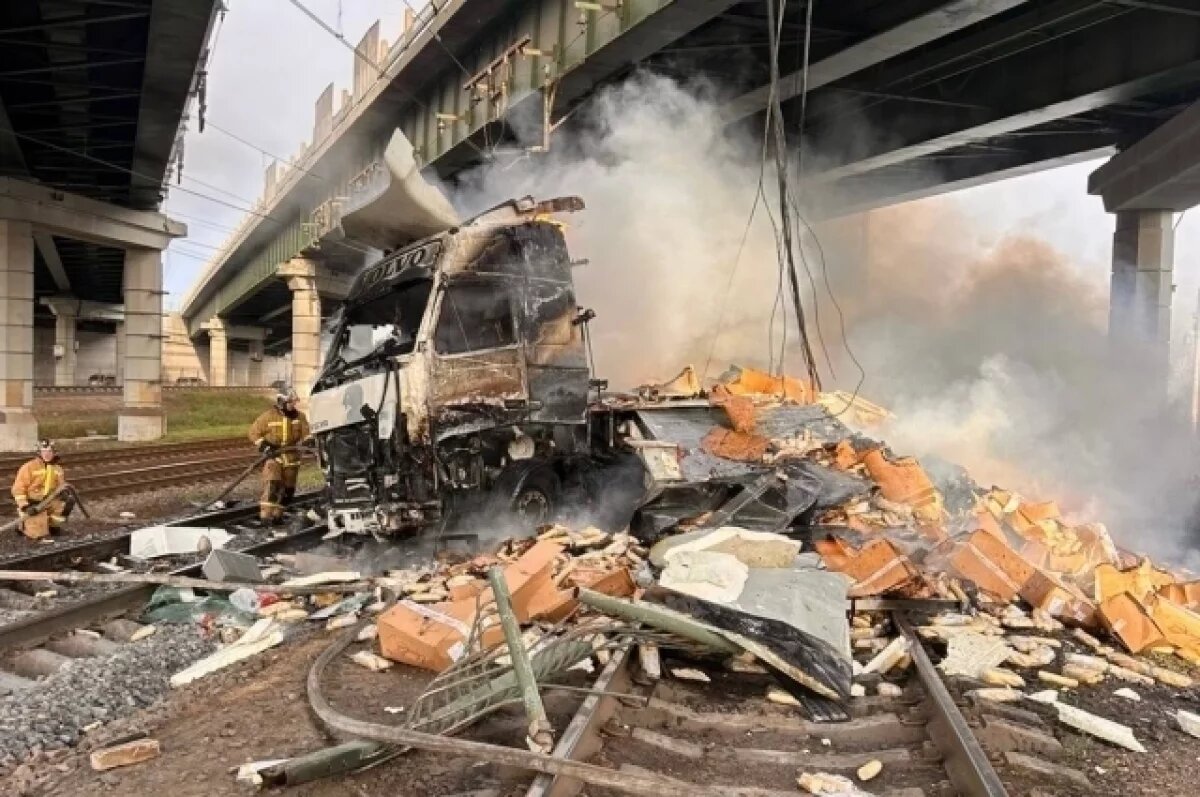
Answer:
(52, 713)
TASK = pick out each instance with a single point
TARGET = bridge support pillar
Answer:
(119, 368)
(1139, 319)
(141, 417)
(64, 346)
(254, 372)
(218, 353)
(301, 276)
(18, 426)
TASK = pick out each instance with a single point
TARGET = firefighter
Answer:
(37, 479)
(281, 426)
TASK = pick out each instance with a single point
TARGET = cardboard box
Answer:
(431, 637)
(878, 567)
(1185, 594)
(1140, 581)
(615, 582)
(1048, 593)
(905, 481)
(991, 565)
(1130, 622)
(530, 575)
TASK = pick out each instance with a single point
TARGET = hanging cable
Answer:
(785, 236)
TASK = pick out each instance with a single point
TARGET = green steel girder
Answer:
(261, 270)
(445, 114)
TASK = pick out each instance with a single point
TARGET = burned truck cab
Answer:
(456, 377)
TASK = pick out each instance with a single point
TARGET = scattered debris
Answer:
(223, 565)
(1188, 722)
(834, 785)
(1109, 731)
(372, 661)
(869, 770)
(123, 755)
(690, 674)
(155, 541)
(263, 635)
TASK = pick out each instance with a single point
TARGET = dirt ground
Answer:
(258, 711)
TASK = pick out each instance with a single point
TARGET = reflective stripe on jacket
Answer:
(37, 479)
(278, 429)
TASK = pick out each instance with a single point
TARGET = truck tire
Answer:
(528, 492)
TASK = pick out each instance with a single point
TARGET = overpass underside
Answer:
(92, 94)
(905, 99)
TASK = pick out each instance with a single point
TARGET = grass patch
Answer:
(190, 416)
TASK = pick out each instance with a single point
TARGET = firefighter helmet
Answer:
(286, 396)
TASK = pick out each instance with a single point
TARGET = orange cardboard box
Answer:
(905, 481)
(615, 582)
(1130, 622)
(994, 567)
(1180, 626)
(844, 455)
(986, 521)
(738, 446)
(1185, 594)
(835, 553)
(553, 604)
(462, 592)
(430, 637)
(752, 382)
(876, 568)
(1140, 581)
(1059, 600)
(529, 575)
(1030, 514)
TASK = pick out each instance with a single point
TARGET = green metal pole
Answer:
(659, 617)
(540, 732)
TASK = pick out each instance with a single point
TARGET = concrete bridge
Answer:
(968, 91)
(92, 96)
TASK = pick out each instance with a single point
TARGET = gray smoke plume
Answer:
(992, 354)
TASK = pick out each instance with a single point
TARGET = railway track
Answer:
(124, 471)
(78, 621)
(80, 461)
(723, 738)
(111, 390)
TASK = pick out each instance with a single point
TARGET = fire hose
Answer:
(43, 505)
(271, 454)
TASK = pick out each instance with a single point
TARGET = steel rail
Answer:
(117, 541)
(963, 758)
(40, 627)
(75, 460)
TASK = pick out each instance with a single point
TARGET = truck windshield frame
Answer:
(387, 323)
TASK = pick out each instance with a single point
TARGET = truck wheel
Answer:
(530, 496)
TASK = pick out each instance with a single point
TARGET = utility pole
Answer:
(1196, 366)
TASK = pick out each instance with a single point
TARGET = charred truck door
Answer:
(506, 349)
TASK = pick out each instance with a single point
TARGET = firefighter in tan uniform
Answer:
(281, 426)
(37, 479)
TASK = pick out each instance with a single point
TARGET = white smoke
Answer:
(993, 353)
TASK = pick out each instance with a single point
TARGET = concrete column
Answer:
(254, 374)
(218, 353)
(119, 370)
(18, 427)
(142, 416)
(301, 276)
(64, 341)
(1139, 319)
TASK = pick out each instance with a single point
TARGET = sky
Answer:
(271, 62)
